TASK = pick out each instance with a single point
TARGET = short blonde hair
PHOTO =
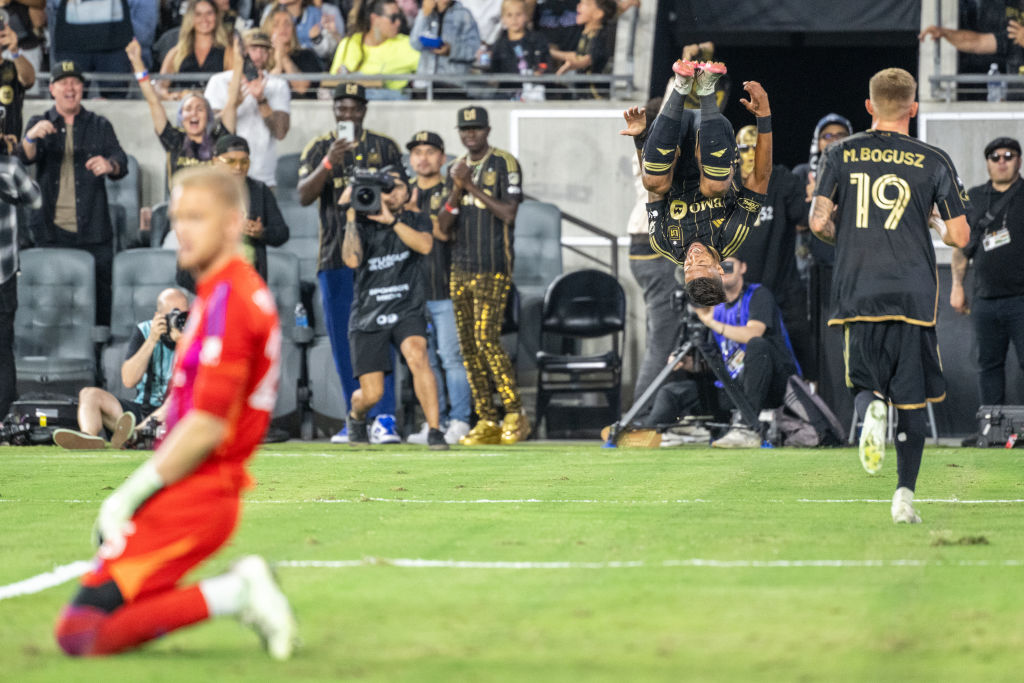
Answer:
(229, 188)
(892, 91)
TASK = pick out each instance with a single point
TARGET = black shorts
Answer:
(371, 351)
(140, 411)
(898, 360)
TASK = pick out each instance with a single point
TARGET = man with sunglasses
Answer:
(996, 249)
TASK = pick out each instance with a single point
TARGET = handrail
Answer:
(613, 263)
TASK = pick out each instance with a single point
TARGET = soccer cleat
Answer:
(707, 77)
(384, 430)
(420, 437)
(265, 608)
(903, 511)
(456, 430)
(123, 430)
(514, 428)
(357, 434)
(485, 433)
(341, 436)
(684, 72)
(78, 441)
(738, 436)
(872, 437)
(436, 441)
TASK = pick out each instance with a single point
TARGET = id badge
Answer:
(735, 363)
(994, 240)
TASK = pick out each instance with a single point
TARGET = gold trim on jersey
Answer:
(644, 257)
(833, 322)
(918, 406)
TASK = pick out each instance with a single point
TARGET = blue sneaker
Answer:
(384, 430)
(342, 436)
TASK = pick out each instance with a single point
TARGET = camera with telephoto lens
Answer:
(176, 320)
(367, 188)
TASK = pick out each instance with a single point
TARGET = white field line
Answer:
(64, 573)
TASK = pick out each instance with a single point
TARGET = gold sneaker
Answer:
(485, 433)
(514, 428)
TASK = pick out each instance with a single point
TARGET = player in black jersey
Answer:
(874, 199)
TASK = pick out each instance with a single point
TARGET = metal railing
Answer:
(947, 86)
(613, 241)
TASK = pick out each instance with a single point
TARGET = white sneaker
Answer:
(738, 436)
(685, 433)
(384, 430)
(420, 437)
(903, 511)
(456, 430)
(265, 608)
(872, 437)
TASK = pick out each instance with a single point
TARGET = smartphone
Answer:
(249, 70)
(4, 19)
(347, 131)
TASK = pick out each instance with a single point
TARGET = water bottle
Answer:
(301, 319)
(996, 89)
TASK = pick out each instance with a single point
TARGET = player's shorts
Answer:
(141, 412)
(371, 351)
(175, 530)
(898, 360)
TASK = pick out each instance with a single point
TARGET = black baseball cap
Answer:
(350, 90)
(66, 69)
(230, 143)
(425, 137)
(1002, 143)
(472, 117)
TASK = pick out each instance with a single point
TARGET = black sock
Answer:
(663, 138)
(708, 106)
(910, 436)
(717, 142)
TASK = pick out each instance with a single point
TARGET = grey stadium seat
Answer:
(126, 193)
(159, 225)
(54, 329)
(287, 175)
(538, 247)
(327, 400)
(283, 281)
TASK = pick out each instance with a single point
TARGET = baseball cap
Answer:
(230, 143)
(1002, 143)
(425, 137)
(352, 90)
(255, 37)
(66, 69)
(472, 117)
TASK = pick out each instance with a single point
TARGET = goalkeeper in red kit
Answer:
(182, 505)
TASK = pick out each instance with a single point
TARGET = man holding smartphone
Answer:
(264, 109)
(325, 168)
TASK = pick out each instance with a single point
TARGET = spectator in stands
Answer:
(487, 16)
(93, 35)
(16, 188)
(556, 19)
(324, 169)
(380, 49)
(288, 56)
(75, 150)
(264, 111)
(426, 157)
(450, 23)
(264, 224)
(27, 23)
(316, 24)
(16, 77)
(203, 47)
(999, 34)
(410, 9)
(232, 20)
(192, 143)
(595, 44)
(147, 367)
(520, 50)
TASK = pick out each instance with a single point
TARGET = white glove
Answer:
(114, 520)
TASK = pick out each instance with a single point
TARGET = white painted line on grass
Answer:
(953, 501)
(41, 582)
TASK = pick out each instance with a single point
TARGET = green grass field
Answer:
(639, 565)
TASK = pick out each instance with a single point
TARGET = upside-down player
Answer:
(874, 200)
(182, 505)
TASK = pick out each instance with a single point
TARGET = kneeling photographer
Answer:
(383, 243)
(147, 367)
(752, 340)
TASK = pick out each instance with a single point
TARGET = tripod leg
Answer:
(645, 398)
(735, 394)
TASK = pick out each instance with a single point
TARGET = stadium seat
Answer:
(538, 247)
(159, 225)
(584, 304)
(327, 400)
(287, 176)
(55, 334)
(283, 281)
(126, 194)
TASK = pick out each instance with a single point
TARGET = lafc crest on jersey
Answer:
(436, 201)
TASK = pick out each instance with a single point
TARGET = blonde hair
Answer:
(513, 2)
(228, 188)
(892, 91)
(268, 27)
(187, 36)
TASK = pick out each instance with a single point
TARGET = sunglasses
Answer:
(393, 17)
(1005, 156)
(834, 136)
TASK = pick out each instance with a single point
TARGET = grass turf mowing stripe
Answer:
(564, 501)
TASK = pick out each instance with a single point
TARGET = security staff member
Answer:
(996, 248)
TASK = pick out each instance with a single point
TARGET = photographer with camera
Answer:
(147, 367)
(383, 243)
(324, 169)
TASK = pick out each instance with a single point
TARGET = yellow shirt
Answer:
(394, 56)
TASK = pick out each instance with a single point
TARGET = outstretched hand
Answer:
(636, 121)
(758, 102)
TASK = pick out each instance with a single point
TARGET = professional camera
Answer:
(367, 188)
(176, 320)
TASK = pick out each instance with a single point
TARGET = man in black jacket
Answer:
(75, 149)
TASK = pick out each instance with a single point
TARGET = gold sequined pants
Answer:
(479, 302)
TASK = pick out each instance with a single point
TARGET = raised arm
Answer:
(229, 114)
(156, 109)
(759, 107)
(962, 39)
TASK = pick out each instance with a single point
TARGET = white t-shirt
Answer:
(487, 15)
(262, 145)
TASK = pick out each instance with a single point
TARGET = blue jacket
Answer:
(458, 30)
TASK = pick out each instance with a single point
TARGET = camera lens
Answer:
(365, 195)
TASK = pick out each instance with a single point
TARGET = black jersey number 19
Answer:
(868, 191)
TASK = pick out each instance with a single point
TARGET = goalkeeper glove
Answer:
(114, 520)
